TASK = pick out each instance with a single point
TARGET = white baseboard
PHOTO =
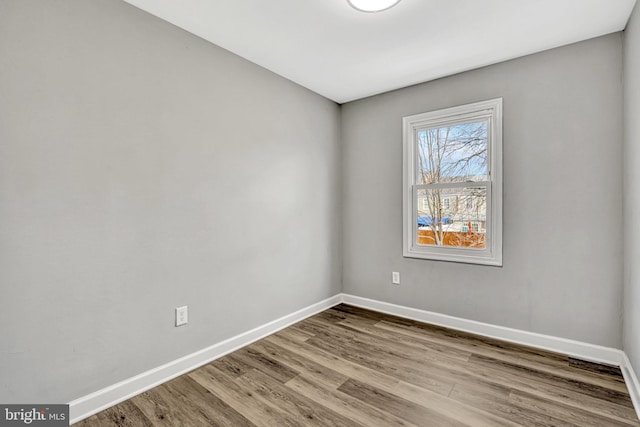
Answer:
(577, 349)
(631, 380)
(102, 399)
(580, 350)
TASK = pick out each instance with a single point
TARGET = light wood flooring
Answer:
(352, 367)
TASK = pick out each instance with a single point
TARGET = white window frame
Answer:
(491, 111)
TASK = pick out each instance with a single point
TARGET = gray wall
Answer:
(141, 169)
(562, 271)
(632, 190)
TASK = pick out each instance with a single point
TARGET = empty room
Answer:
(319, 213)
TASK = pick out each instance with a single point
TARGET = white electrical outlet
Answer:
(182, 316)
(395, 277)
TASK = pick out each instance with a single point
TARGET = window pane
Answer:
(452, 217)
(456, 153)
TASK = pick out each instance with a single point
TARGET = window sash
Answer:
(465, 184)
(467, 118)
(491, 111)
(489, 227)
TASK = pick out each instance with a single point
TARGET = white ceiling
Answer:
(343, 54)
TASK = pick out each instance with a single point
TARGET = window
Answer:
(455, 153)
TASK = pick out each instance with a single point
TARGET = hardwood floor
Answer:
(352, 367)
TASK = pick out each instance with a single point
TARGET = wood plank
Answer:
(607, 378)
(341, 403)
(305, 411)
(294, 333)
(159, 406)
(477, 396)
(349, 366)
(401, 408)
(256, 410)
(232, 365)
(558, 410)
(306, 366)
(253, 357)
(343, 366)
(417, 343)
(464, 344)
(360, 313)
(197, 399)
(402, 389)
(598, 392)
(125, 414)
(612, 371)
(399, 367)
(543, 389)
(462, 372)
